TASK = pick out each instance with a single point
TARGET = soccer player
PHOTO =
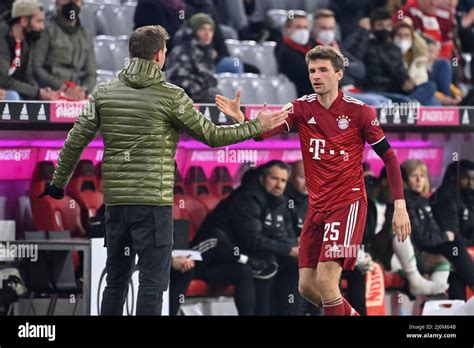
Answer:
(333, 129)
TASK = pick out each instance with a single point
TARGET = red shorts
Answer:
(334, 235)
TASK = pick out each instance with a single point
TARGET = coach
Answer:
(140, 117)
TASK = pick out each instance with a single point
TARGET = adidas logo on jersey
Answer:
(312, 121)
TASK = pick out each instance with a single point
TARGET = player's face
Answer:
(323, 77)
(417, 180)
(275, 181)
(467, 180)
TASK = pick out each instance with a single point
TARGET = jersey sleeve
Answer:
(370, 126)
(290, 123)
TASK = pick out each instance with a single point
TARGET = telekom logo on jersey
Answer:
(317, 146)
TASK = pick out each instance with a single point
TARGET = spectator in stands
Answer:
(349, 14)
(25, 25)
(441, 73)
(2, 94)
(386, 73)
(182, 270)
(291, 52)
(169, 14)
(191, 64)
(258, 228)
(64, 57)
(430, 19)
(5, 6)
(465, 18)
(427, 236)
(387, 245)
(324, 33)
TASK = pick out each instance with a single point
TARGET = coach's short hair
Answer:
(146, 41)
(326, 53)
(275, 163)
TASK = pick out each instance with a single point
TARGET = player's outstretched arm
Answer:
(231, 107)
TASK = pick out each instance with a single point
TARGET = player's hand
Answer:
(294, 251)
(401, 222)
(270, 120)
(230, 108)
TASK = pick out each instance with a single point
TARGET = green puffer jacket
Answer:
(140, 117)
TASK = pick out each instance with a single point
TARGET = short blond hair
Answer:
(326, 53)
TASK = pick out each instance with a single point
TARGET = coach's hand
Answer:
(53, 191)
(231, 108)
(401, 222)
(270, 120)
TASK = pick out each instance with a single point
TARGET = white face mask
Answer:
(326, 37)
(404, 45)
(301, 36)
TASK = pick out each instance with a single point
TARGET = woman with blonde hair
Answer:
(434, 245)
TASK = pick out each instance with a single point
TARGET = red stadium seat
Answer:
(221, 182)
(196, 186)
(83, 188)
(50, 214)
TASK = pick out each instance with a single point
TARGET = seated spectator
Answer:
(297, 193)
(324, 33)
(441, 73)
(2, 94)
(428, 237)
(386, 73)
(5, 6)
(64, 57)
(182, 270)
(465, 21)
(25, 24)
(453, 202)
(429, 19)
(291, 52)
(350, 13)
(191, 64)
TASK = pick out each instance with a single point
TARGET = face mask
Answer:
(301, 37)
(404, 45)
(71, 11)
(382, 35)
(326, 37)
(32, 35)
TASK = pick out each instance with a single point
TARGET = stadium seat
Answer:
(233, 46)
(83, 187)
(105, 16)
(249, 84)
(228, 32)
(267, 92)
(120, 53)
(276, 18)
(270, 66)
(251, 52)
(221, 182)
(195, 182)
(123, 22)
(286, 91)
(228, 84)
(50, 214)
(103, 53)
(88, 14)
(104, 75)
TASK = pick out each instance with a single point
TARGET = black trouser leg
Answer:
(457, 288)
(288, 300)
(119, 263)
(179, 283)
(236, 274)
(356, 290)
(262, 296)
(457, 254)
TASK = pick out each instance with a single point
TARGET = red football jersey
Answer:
(332, 143)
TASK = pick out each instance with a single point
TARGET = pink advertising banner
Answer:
(17, 163)
(430, 116)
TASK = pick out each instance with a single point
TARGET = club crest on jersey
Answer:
(343, 122)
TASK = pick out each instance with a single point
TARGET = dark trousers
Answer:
(179, 282)
(146, 231)
(232, 273)
(286, 297)
(355, 293)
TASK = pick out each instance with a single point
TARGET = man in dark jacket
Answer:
(25, 25)
(191, 63)
(291, 52)
(64, 56)
(297, 193)
(453, 202)
(140, 117)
